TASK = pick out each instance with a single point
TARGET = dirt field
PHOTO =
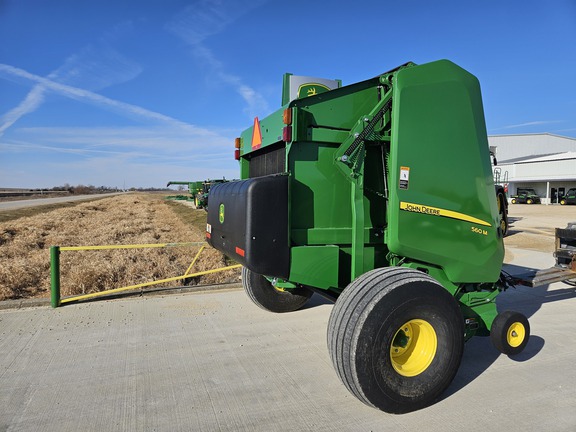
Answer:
(126, 219)
(532, 226)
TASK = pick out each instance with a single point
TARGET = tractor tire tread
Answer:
(348, 316)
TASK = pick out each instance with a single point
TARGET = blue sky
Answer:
(138, 92)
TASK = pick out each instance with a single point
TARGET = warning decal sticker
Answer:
(404, 177)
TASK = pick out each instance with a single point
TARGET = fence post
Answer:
(55, 276)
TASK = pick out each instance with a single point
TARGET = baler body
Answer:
(380, 196)
(394, 170)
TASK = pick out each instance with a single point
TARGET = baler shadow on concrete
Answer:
(380, 196)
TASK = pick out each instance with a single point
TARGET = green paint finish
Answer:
(320, 196)
(479, 311)
(342, 236)
(316, 266)
(439, 138)
(335, 111)
(416, 190)
(193, 187)
(271, 130)
(55, 276)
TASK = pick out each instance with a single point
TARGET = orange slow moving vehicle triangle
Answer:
(256, 135)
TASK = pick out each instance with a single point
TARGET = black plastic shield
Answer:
(248, 221)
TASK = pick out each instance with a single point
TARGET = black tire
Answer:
(529, 201)
(504, 226)
(513, 201)
(510, 332)
(365, 333)
(562, 202)
(270, 298)
(503, 215)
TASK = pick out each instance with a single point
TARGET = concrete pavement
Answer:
(20, 204)
(213, 361)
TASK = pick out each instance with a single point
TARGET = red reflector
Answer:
(237, 154)
(208, 235)
(239, 251)
(287, 134)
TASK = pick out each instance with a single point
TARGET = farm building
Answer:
(543, 162)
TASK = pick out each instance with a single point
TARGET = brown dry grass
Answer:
(125, 219)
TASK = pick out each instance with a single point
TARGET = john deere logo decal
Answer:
(311, 89)
(221, 214)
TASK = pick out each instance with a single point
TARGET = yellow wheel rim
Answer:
(413, 347)
(516, 334)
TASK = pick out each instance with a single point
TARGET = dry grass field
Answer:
(135, 218)
(138, 218)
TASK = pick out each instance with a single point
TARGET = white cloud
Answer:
(206, 18)
(149, 155)
(30, 103)
(109, 171)
(527, 124)
(151, 143)
(93, 98)
(95, 67)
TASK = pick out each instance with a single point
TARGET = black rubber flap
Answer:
(248, 221)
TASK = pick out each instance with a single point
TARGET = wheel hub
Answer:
(516, 334)
(413, 347)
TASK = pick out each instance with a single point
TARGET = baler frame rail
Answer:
(565, 268)
(543, 277)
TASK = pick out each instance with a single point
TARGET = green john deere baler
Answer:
(378, 195)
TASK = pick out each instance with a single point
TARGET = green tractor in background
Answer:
(203, 194)
(194, 188)
(199, 191)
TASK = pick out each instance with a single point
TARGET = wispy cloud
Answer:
(564, 130)
(109, 170)
(118, 153)
(31, 102)
(91, 97)
(206, 18)
(528, 124)
(192, 142)
(94, 67)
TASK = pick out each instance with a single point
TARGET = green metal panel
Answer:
(319, 194)
(443, 210)
(55, 276)
(316, 266)
(337, 110)
(270, 129)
